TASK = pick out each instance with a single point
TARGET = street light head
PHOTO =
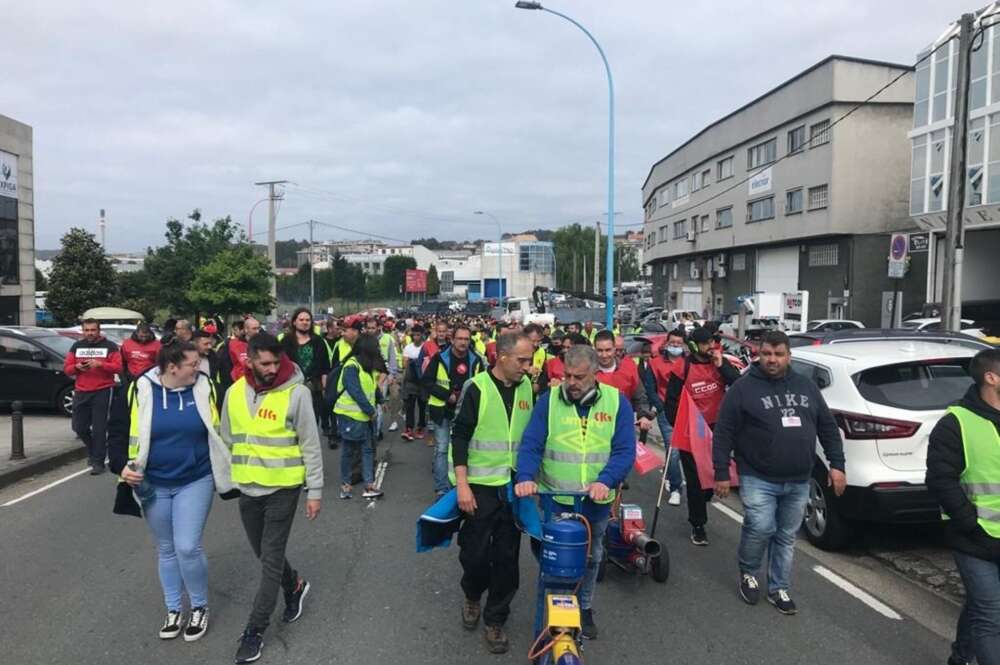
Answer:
(524, 4)
(477, 212)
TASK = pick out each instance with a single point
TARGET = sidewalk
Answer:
(48, 442)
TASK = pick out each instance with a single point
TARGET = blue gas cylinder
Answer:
(564, 549)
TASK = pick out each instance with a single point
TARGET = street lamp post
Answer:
(499, 254)
(610, 254)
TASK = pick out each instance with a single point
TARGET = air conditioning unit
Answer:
(690, 236)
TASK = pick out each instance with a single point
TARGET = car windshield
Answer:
(57, 343)
(919, 386)
(911, 324)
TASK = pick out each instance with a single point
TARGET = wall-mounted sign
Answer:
(919, 242)
(8, 174)
(761, 182)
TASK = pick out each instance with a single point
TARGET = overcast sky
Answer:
(395, 117)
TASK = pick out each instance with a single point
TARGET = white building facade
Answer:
(17, 224)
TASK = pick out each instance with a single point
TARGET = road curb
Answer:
(41, 464)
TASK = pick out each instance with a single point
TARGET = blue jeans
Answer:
(772, 515)
(177, 518)
(979, 624)
(353, 434)
(439, 467)
(674, 476)
(596, 554)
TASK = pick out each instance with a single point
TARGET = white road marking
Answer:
(46, 487)
(728, 512)
(865, 597)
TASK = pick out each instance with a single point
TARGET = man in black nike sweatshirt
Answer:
(771, 419)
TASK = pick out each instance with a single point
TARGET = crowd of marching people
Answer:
(506, 409)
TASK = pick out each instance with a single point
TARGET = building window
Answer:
(663, 270)
(724, 218)
(793, 201)
(918, 175)
(705, 177)
(10, 261)
(536, 257)
(995, 67)
(724, 169)
(664, 197)
(673, 271)
(663, 233)
(680, 229)
(819, 133)
(993, 160)
(796, 139)
(975, 154)
(739, 262)
(680, 189)
(823, 255)
(761, 209)
(704, 224)
(977, 77)
(696, 182)
(939, 107)
(936, 181)
(762, 153)
(818, 197)
(921, 102)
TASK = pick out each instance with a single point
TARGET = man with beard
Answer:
(269, 425)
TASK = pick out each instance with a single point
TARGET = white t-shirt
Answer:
(412, 351)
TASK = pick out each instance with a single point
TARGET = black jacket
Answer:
(459, 371)
(675, 385)
(945, 463)
(771, 426)
(320, 365)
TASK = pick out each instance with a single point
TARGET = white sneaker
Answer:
(675, 498)
(394, 426)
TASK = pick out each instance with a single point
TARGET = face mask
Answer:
(675, 350)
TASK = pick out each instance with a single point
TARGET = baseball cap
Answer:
(701, 336)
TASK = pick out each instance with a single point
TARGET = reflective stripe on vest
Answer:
(981, 478)
(265, 451)
(346, 406)
(494, 443)
(578, 449)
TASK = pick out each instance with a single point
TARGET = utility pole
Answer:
(597, 257)
(272, 254)
(951, 305)
(573, 288)
(102, 230)
(312, 269)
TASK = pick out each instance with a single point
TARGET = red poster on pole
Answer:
(416, 281)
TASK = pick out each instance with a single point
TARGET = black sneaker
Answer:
(588, 629)
(171, 626)
(96, 469)
(749, 589)
(699, 537)
(293, 602)
(197, 624)
(251, 646)
(782, 601)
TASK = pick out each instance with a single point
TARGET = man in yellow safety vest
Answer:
(269, 424)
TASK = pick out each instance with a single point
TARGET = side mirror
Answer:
(39, 356)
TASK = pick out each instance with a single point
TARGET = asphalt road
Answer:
(78, 585)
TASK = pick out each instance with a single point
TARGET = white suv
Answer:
(886, 396)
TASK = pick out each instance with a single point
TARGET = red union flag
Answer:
(416, 281)
(692, 434)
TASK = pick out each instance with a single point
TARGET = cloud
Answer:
(397, 116)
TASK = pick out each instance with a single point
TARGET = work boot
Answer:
(496, 640)
(587, 626)
(470, 614)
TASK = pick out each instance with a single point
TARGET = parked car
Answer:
(812, 338)
(116, 332)
(31, 368)
(832, 325)
(969, 327)
(434, 307)
(886, 397)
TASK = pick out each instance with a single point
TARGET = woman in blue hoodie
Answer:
(176, 461)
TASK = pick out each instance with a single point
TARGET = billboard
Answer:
(416, 281)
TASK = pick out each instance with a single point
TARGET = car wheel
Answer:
(64, 401)
(825, 528)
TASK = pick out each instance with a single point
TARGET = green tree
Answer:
(286, 252)
(234, 282)
(348, 279)
(433, 282)
(374, 287)
(394, 274)
(627, 262)
(133, 291)
(41, 284)
(81, 278)
(173, 267)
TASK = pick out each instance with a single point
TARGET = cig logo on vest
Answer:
(8, 174)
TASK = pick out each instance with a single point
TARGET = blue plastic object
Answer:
(564, 549)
